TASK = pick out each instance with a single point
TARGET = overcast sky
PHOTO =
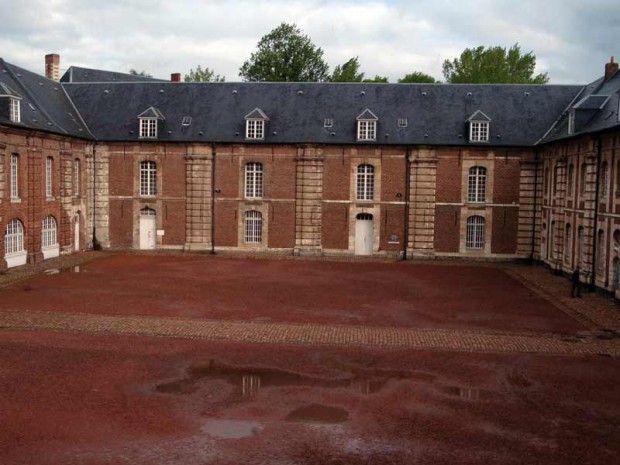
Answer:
(571, 39)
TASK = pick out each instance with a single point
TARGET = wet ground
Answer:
(489, 392)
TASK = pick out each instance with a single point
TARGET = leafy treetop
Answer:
(203, 75)
(418, 77)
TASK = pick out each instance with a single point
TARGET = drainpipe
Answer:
(535, 206)
(407, 190)
(595, 219)
(213, 192)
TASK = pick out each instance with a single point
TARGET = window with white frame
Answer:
(604, 180)
(148, 128)
(49, 166)
(366, 130)
(254, 180)
(479, 131)
(255, 129)
(76, 178)
(148, 178)
(14, 237)
(475, 232)
(253, 233)
(477, 184)
(15, 110)
(49, 232)
(14, 176)
(365, 182)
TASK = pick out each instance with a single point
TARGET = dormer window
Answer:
(149, 122)
(15, 110)
(367, 126)
(571, 122)
(255, 124)
(479, 125)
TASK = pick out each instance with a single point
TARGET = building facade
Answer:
(107, 160)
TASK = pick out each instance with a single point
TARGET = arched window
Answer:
(253, 227)
(49, 166)
(571, 179)
(475, 232)
(568, 244)
(365, 182)
(477, 184)
(604, 180)
(146, 211)
(148, 178)
(254, 180)
(14, 237)
(49, 232)
(76, 178)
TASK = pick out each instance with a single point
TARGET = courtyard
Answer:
(186, 359)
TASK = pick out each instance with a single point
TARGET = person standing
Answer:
(576, 289)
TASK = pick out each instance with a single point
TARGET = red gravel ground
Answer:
(95, 400)
(378, 294)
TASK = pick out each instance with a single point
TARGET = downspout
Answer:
(96, 245)
(407, 190)
(213, 192)
(595, 219)
(535, 206)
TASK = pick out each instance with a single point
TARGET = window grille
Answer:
(478, 131)
(365, 182)
(253, 227)
(255, 129)
(49, 163)
(254, 180)
(49, 232)
(14, 237)
(148, 178)
(76, 178)
(604, 180)
(14, 176)
(146, 211)
(15, 110)
(477, 184)
(475, 233)
(148, 128)
(366, 130)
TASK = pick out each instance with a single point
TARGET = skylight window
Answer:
(402, 122)
(187, 120)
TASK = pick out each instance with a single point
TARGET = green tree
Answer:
(203, 75)
(134, 72)
(285, 55)
(418, 77)
(378, 80)
(349, 72)
(493, 65)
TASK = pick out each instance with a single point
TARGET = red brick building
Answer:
(404, 170)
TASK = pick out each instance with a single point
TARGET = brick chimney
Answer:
(52, 66)
(610, 68)
(175, 77)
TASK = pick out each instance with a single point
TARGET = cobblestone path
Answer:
(599, 314)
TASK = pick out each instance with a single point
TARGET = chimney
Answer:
(610, 69)
(175, 77)
(52, 66)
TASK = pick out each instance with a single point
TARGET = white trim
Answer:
(479, 131)
(15, 110)
(148, 128)
(366, 130)
(255, 129)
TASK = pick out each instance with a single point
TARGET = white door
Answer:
(76, 234)
(364, 232)
(148, 222)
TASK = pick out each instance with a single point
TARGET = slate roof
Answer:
(45, 105)
(603, 117)
(79, 74)
(437, 113)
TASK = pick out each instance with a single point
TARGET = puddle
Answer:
(317, 413)
(231, 429)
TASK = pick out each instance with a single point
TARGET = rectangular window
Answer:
(148, 128)
(14, 175)
(187, 120)
(366, 130)
(148, 178)
(475, 232)
(255, 129)
(478, 131)
(402, 122)
(76, 178)
(254, 180)
(571, 122)
(253, 227)
(477, 184)
(328, 122)
(365, 182)
(15, 110)
(49, 163)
